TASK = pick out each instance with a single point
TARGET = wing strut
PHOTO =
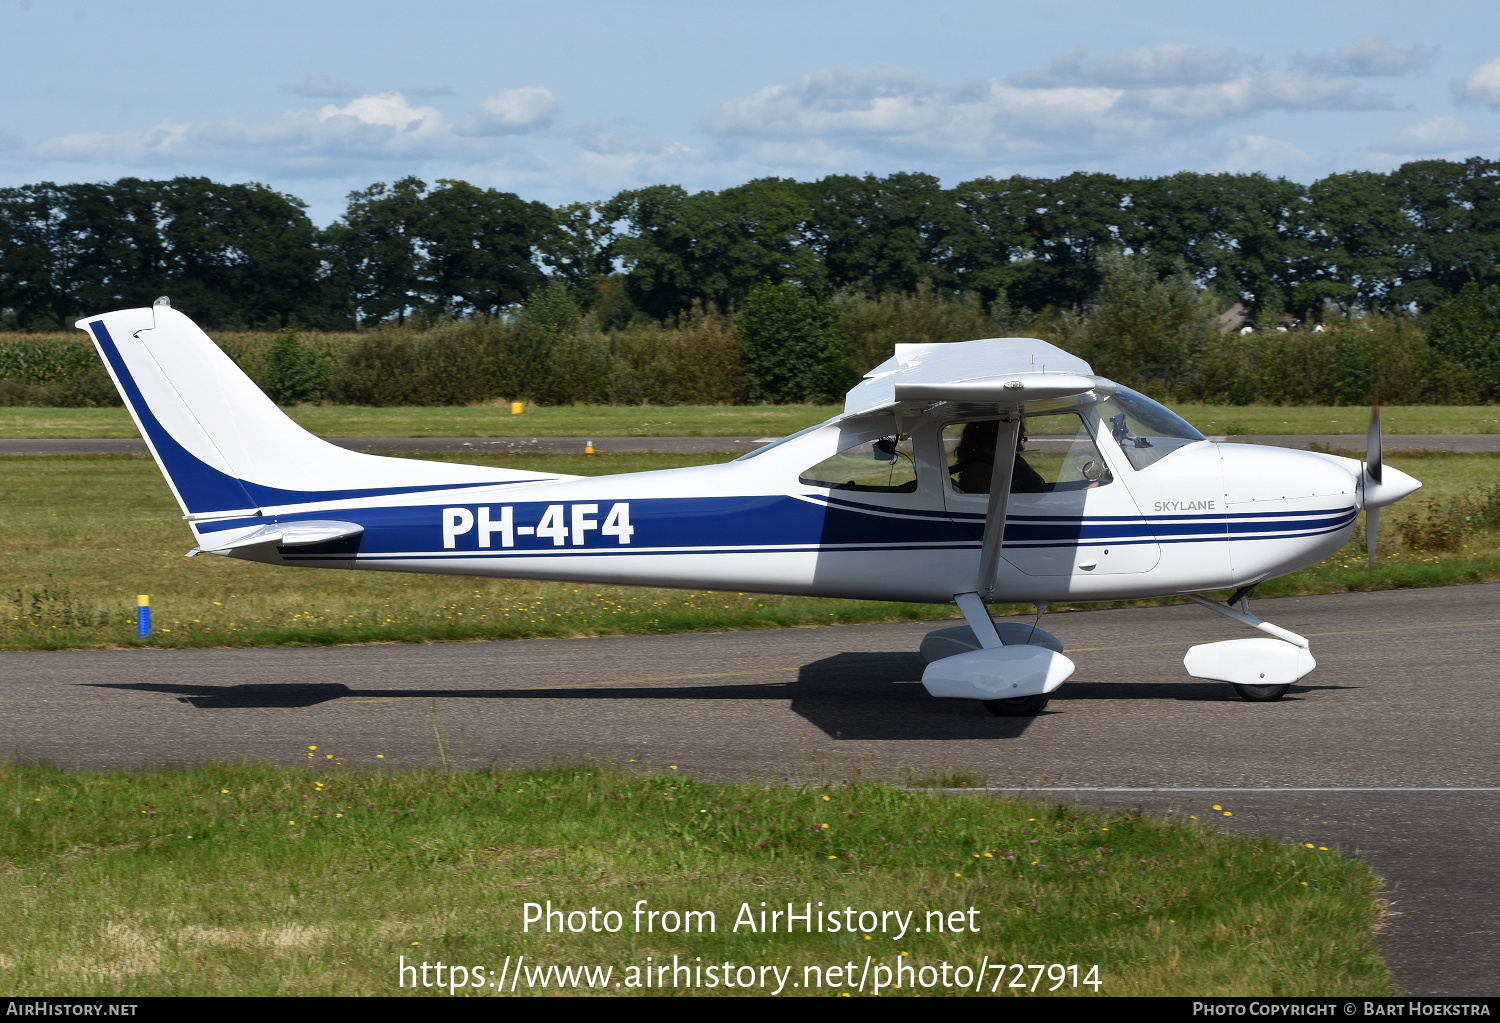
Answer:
(994, 519)
(972, 604)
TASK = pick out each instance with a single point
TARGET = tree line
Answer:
(244, 256)
(789, 343)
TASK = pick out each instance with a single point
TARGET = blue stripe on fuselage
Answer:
(780, 522)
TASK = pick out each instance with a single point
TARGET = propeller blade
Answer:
(1372, 531)
(1374, 464)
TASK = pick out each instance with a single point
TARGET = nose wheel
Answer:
(1260, 694)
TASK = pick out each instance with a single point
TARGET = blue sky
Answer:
(573, 101)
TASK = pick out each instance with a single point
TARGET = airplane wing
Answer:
(1006, 372)
(1002, 370)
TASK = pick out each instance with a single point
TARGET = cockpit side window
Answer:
(1145, 430)
(884, 465)
(1053, 453)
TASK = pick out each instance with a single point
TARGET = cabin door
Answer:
(1067, 515)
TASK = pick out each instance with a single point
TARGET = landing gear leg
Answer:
(978, 617)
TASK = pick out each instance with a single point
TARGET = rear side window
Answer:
(884, 465)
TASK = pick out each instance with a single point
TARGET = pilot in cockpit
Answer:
(975, 461)
(974, 464)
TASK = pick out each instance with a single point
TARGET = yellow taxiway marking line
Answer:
(1310, 635)
(665, 678)
(611, 682)
(799, 667)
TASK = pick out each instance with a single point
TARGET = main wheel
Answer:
(1261, 694)
(1018, 706)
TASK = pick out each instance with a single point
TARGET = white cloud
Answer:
(513, 111)
(1263, 153)
(385, 110)
(1367, 56)
(375, 126)
(1167, 64)
(1079, 106)
(1482, 85)
(1445, 137)
(1434, 134)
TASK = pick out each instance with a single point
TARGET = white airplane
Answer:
(901, 497)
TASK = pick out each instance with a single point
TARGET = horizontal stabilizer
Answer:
(286, 534)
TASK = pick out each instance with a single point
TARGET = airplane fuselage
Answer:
(1209, 516)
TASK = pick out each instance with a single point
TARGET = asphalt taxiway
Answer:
(1388, 751)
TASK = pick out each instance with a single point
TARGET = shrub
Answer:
(790, 345)
(577, 369)
(380, 369)
(1465, 330)
(524, 361)
(294, 372)
(707, 366)
(1144, 330)
(642, 370)
(870, 328)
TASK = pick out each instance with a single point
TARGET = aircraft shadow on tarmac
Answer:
(847, 696)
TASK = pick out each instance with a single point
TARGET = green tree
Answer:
(374, 250)
(883, 234)
(1358, 230)
(578, 247)
(1245, 237)
(1144, 329)
(789, 342)
(1037, 241)
(1454, 235)
(241, 254)
(679, 247)
(37, 289)
(477, 248)
(70, 250)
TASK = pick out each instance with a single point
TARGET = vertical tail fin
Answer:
(227, 449)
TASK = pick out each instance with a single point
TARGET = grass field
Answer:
(244, 880)
(83, 535)
(478, 421)
(723, 421)
(80, 536)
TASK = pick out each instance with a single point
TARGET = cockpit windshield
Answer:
(1145, 430)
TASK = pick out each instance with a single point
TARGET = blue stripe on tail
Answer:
(204, 489)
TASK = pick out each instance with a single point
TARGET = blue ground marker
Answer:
(143, 616)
